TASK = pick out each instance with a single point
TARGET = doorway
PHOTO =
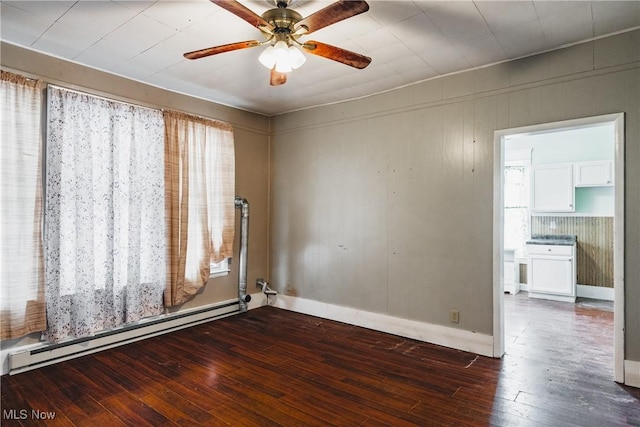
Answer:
(501, 138)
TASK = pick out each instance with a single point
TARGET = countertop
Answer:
(552, 239)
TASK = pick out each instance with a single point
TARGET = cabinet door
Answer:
(552, 188)
(592, 174)
(551, 275)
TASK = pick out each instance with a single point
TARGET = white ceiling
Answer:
(408, 41)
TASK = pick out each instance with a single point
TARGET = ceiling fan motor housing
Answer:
(282, 19)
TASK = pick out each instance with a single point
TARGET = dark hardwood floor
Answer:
(271, 367)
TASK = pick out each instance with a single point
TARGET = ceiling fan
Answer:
(282, 28)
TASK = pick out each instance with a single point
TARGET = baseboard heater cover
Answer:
(48, 354)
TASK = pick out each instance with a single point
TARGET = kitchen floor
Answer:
(528, 317)
(595, 304)
(562, 354)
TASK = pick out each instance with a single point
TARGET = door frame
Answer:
(617, 119)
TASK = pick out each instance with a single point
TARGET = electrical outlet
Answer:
(454, 316)
(289, 287)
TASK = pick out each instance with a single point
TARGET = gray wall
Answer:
(385, 203)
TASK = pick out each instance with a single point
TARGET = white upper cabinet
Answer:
(593, 174)
(552, 188)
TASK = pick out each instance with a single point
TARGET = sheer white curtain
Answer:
(105, 240)
(21, 264)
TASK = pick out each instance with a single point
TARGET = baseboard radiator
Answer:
(47, 354)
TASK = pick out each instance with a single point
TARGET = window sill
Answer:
(219, 274)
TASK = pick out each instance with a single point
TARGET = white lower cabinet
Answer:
(551, 273)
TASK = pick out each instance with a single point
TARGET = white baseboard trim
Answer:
(595, 292)
(632, 373)
(584, 291)
(435, 334)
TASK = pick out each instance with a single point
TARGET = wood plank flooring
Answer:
(270, 367)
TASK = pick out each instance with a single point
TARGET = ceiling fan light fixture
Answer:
(268, 57)
(283, 66)
(296, 57)
(283, 57)
(281, 51)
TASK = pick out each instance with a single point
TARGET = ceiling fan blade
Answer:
(337, 54)
(333, 13)
(276, 78)
(242, 12)
(196, 54)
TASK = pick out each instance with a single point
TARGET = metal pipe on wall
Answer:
(243, 205)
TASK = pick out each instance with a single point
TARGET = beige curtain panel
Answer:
(199, 199)
(22, 304)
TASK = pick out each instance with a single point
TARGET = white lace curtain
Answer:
(105, 237)
(22, 305)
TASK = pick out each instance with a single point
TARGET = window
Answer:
(200, 174)
(220, 268)
(22, 307)
(105, 242)
(138, 210)
(516, 207)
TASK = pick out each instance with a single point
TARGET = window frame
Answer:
(220, 269)
(526, 165)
